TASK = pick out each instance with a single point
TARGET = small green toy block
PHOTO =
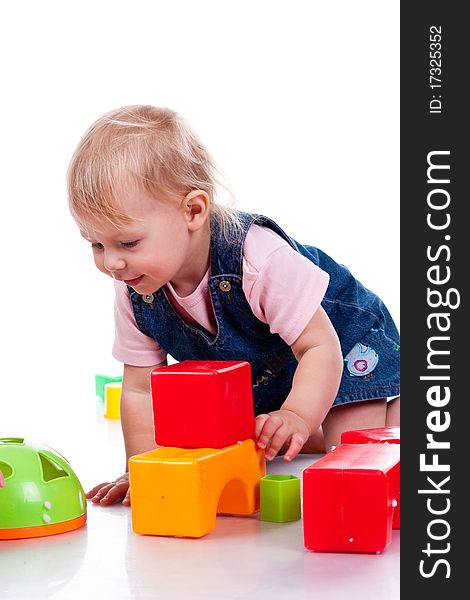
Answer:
(101, 381)
(280, 498)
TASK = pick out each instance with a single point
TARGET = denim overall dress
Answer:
(368, 336)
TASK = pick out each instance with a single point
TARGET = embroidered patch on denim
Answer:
(362, 360)
(263, 380)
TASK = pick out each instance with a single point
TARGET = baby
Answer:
(197, 280)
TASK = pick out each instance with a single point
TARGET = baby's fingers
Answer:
(270, 426)
(117, 492)
(98, 492)
(296, 443)
(277, 441)
(259, 423)
(94, 491)
(127, 498)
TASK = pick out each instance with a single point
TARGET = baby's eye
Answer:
(97, 246)
(130, 244)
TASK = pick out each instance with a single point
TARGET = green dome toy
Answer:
(41, 493)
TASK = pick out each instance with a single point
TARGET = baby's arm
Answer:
(314, 388)
(137, 428)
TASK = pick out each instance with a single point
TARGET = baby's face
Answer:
(146, 253)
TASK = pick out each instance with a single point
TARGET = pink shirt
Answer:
(282, 287)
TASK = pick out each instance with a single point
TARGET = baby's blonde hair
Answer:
(151, 146)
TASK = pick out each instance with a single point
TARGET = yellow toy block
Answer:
(175, 491)
(112, 400)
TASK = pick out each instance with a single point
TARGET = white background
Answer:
(298, 102)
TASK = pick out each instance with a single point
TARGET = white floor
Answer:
(242, 558)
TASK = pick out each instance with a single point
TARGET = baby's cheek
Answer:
(100, 266)
(102, 269)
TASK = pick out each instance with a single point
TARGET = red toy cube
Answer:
(348, 498)
(202, 404)
(379, 435)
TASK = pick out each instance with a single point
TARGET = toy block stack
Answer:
(351, 495)
(208, 462)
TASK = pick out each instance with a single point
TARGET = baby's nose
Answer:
(113, 262)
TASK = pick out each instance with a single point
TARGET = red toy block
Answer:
(348, 498)
(376, 435)
(379, 435)
(202, 404)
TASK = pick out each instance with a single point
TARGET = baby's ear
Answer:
(197, 206)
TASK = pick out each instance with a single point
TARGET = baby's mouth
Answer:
(133, 281)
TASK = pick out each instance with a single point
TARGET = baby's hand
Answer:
(109, 493)
(279, 427)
